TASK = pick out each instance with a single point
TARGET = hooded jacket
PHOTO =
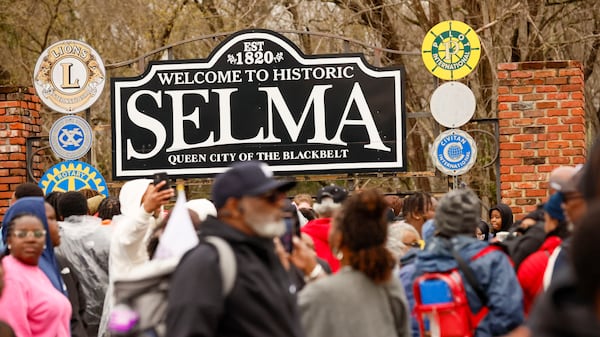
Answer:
(493, 272)
(261, 303)
(318, 230)
(47, 262)
(506, 214)
(131, 231)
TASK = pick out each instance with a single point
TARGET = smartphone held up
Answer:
(161, 176)
(292, 226)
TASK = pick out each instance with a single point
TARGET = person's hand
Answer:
(155, 197)
(303, 257)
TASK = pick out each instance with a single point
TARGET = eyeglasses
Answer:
(271, 197)
(38, 233)
(571, 196)
(414, 244)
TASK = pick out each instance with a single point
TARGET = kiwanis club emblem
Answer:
(69, 76)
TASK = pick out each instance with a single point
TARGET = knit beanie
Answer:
(457, 213)
(552, 207)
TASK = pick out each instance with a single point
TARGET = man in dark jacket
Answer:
(262, 301)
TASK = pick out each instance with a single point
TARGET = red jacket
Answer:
(531, 271)
(318, 230)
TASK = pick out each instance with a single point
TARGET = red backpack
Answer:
(441, 305)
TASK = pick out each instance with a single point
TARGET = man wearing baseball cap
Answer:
(262, 301)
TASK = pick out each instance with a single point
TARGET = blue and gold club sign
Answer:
(70, 137)
(72, 176)
(451, 50)
(454, 152)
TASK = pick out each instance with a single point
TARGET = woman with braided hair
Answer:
(362, 299)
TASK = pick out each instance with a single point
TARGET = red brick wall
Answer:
(542, 126)
(19, 119)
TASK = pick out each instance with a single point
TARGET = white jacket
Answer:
(131, 232)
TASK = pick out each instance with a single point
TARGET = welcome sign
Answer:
(257, 97)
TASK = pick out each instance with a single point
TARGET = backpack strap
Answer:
(468, 272)
(227, 262)
(486, 250)
(470, 277)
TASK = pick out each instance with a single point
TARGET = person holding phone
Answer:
(296, 256)
(292, 225)
(141, 204)
(262, 300)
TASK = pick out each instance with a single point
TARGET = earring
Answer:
(8, 246)
(339, 255)
(44, 246)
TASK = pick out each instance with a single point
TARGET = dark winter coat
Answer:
(526, 244)
(261, 303)
(560, 311)
(76, 297)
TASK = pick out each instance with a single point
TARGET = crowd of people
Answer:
(344, 263)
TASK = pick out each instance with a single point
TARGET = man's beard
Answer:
(265, 225)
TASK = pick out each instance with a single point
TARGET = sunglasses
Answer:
(566, 197)
(271, 197)
(38, 233)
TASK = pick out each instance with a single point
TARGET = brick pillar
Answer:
(19, 119)
(542, 126)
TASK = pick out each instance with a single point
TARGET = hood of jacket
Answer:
(47, 262)
(437, 255)
(131, 195)
(506, 214)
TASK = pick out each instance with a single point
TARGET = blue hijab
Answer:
(47, 262)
